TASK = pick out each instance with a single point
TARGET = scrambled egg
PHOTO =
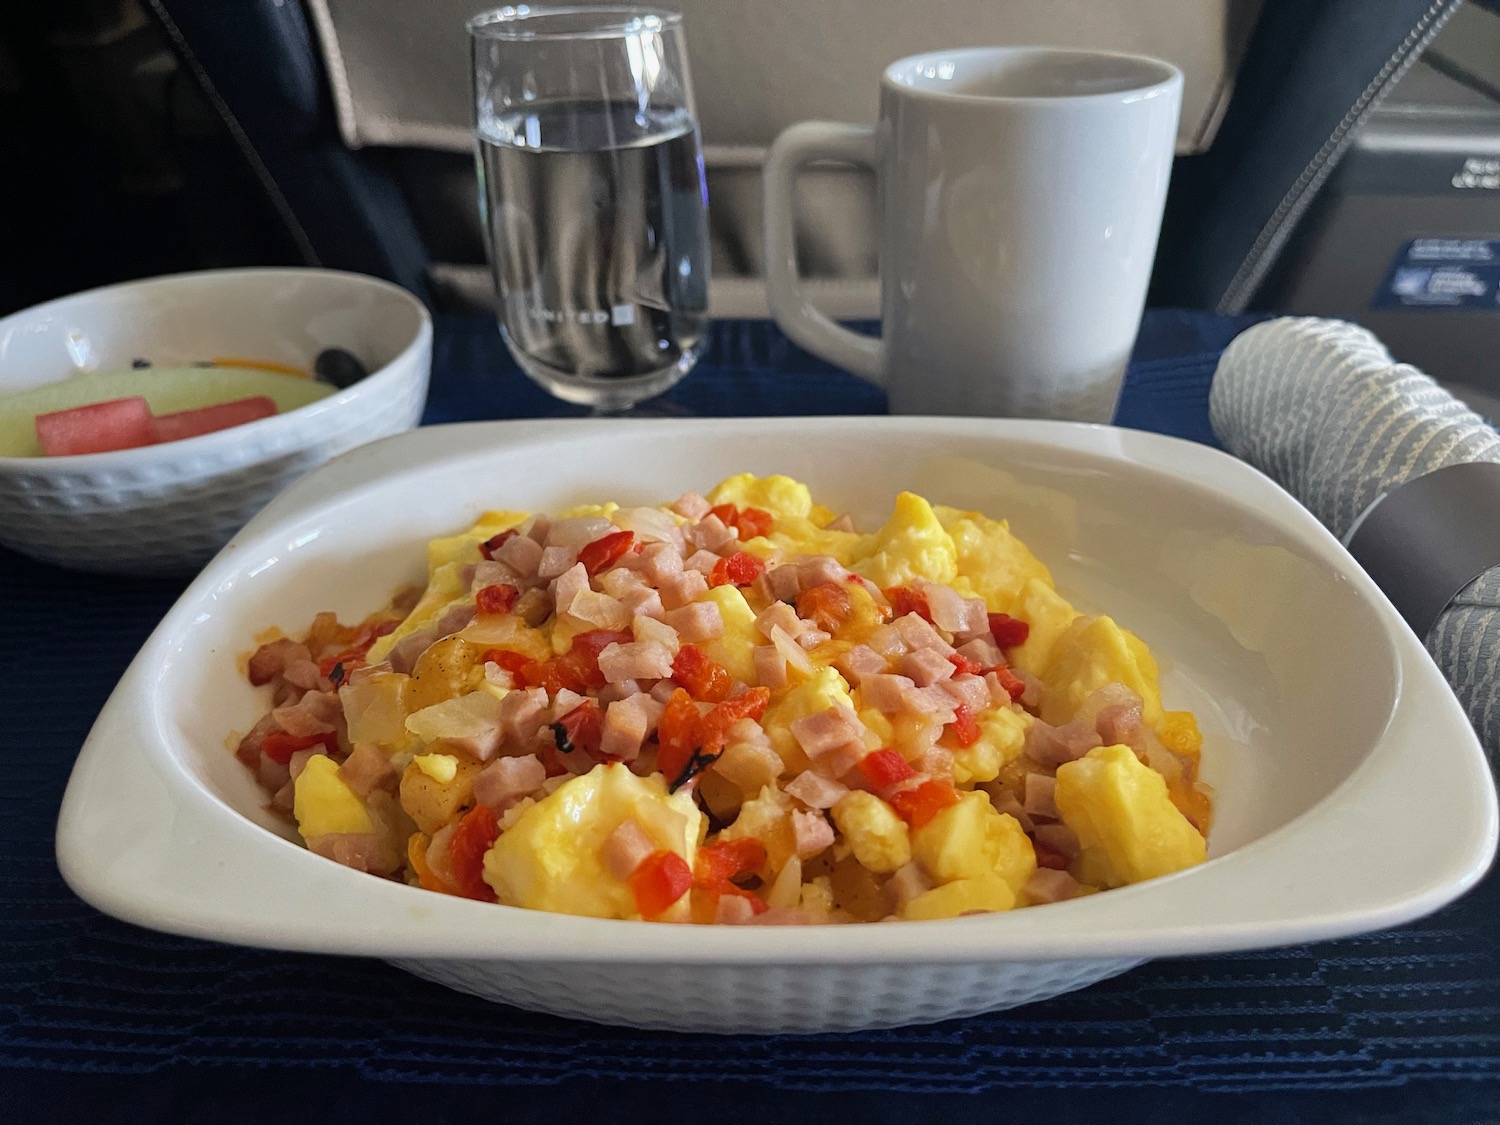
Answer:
(551, 857)
(1126, 822)
(550, 853)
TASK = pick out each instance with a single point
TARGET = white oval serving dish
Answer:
(1351, 792)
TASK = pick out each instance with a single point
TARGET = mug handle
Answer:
(796, 146)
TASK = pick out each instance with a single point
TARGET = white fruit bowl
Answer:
(1351, 791)
(169, 507)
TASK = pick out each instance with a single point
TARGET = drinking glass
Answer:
(592, 197)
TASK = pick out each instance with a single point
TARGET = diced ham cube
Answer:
(505, 781)
(273, 657)
(271, 774)
(627, 722)
(907, 883)
(859, 662)
(926, 666)
(568, 586)
(660, 561)
(643, 601)
(733, 910)
(885, 692)
(690, 506)
(770, 667)
(366, 769)
(618, 581)
(812, 638)
(816, 791)
(999, 693)
(932, 700)
(363, 851)
(626, 848)
(637, 660)
(811, 832)
(783, 583)
(303, 674)
(1052, 746)
(701, 561)
(492, 572)
(918, 634)
(521, 554)
(521, 716)
(815, 570)
(1120, 724)
(1048, 885)
(825, 731)
(982, 651)
(838, 763)
(555, 561)
(710, 534)
(887, 641)
(314, 713)
(782, 615)
(1007, 805)
(1058, 838)
(969, 690)
(1039, 802)
(936, 761)
(696, 622)
(976, 621)
(623, 689)
(680, 589)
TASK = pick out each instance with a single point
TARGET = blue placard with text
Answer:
(1443, 273)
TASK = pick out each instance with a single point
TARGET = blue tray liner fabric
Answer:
(83, 995)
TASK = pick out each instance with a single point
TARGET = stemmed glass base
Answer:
(631, 396)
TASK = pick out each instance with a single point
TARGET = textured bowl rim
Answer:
(1310, 879)
(123, 459)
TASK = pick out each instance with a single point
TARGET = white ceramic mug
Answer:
(1021, 193)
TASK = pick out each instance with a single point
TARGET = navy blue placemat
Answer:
(104, 1021)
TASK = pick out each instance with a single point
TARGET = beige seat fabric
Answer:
(400, 76)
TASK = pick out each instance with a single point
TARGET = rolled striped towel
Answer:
(1322, 408)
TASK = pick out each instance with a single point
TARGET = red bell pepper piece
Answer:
(1008, 631)
(738, 569)
(721, 862)
(905, 600)
(603, 553)
(884, 768)
(471, 839)
(964, 726)
(965, 666)
(279, 746)
(919, 805)
(827, 605)
(704, 678)
(496, 600)
(661, 879)
(753, 522)
(580, 729)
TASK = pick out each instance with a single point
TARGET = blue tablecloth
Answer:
(101, 1021)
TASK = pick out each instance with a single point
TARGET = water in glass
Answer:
(598, 236)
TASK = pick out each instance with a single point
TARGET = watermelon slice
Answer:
(191, 423)
(99, 427)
